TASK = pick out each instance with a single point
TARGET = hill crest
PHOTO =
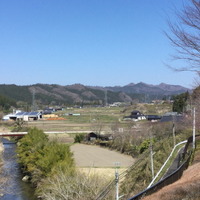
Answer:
(47, 94)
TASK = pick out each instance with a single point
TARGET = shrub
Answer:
(79, 138)
(40, 158)
(20, 125)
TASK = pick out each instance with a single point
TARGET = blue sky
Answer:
(92, 42)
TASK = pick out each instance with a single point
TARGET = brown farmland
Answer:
(94, 156)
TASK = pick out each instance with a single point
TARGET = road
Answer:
(47, 132)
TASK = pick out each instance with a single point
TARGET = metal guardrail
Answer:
(168, 180)
(172, 177)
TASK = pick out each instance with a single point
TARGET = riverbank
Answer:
(1, 155)
(2, 178)
(12, 187)
(1, 149)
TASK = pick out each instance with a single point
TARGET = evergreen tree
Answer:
(180, 102)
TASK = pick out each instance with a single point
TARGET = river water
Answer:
(14, 188)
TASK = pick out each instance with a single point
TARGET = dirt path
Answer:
(94, 156)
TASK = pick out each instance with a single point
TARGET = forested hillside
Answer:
(46, 94)
(6, 103)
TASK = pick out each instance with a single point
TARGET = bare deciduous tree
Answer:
(186, 36)
(97, 124)
(78, 187)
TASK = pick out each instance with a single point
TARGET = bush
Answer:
(40, 158)
(79, 138)
(20, 125)
(144, 145)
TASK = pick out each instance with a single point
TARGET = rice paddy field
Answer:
(96, 118)
(82, 119)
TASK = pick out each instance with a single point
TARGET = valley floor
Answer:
(99, 160)
(95, 156)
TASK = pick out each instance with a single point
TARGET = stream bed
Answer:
(13, 187)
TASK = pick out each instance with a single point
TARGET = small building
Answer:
(171, 114)
(153, 118)
(58, 109)
(72, 114)
(94, 136)
(26, 116)
(172, 118)
(136, 116)
(9, 117)
(29, 116)
(46, 112)
(136, 112)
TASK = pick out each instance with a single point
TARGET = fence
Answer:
(172, 177)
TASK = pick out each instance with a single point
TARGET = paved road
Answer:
(47, 132)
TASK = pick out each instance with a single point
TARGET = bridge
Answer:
(10, 134)
(6, 134)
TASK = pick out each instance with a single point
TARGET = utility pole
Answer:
(33, 101)
(173, 131)
(194, 128)
(151, 156)
(174, 136)
(117, 164)
(106, 97)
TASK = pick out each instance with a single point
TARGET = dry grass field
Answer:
(98, 160)
(95, 156)
(88, 120)
(107, 173)
(59, 125)
(4, 129)
(61, 138)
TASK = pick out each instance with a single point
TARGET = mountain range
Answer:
(143, 88)
(52, 94)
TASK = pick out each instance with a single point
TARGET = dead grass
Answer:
(1, 149)
(95, 156)
(60, 125)
(61, 138)
(4, 129)
(107, 173)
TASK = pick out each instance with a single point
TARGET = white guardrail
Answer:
(183, 142)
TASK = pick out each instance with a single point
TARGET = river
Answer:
(14, 188)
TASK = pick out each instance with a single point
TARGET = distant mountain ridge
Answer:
(143, 88)
(48, 94)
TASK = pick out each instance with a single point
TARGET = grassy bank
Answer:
(139, 177)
